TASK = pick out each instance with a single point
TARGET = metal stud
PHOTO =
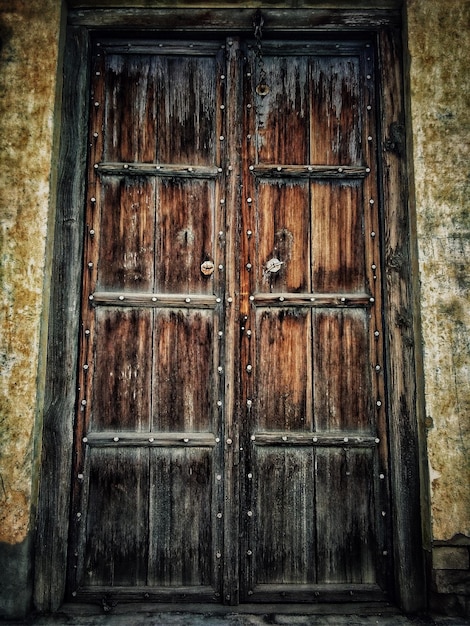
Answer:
(379, 403)
(371, 201)
(249, 233)
(369, 107)
(374, 266)
(377, 368)
(222, 107)
(372, 234)
(252, 298)
(90, 265)
(85, 367)
(83, 403)
(219, 169)
(219, 402)
(279, 168)
(248, 266)
(229, 442)
(377, 440)
(249, 368)
(249, 200)
(340, 169)
(219, 477)
(221, 137)
(220, 369)
(116, 439)
(188, 300)
(371, 300)
(346, 439)
(222, 201)
(369, 138)
(381, 476)
(220, 333)
(154, 299)
(218, 300)
(219, 515)
(80, 476)
(121, 298)
(249, 403)
(222, 77)
(92, 233)
(87, 332)
(384, 513)
(229, 300)
(97, 104)
(251, 168)
(253, 437)
(248, 333)
(376, 333)
(249, 475)
(85, 439)
(248, 106)
(315, 439)
(126, 167)
(217, 440)
(79, 515)
(93, 200)
(151, 439)
(218, 554)
(281, 299)
(284, 438)
(250, 513)
(249, 552)
(186, 440)
(368, 170)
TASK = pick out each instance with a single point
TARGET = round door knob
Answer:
(273, 265)
(207, 268)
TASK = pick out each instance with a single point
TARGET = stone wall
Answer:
(438, 41)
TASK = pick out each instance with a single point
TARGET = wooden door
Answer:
(230, 437)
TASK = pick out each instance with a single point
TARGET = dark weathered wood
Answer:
(280, 170)
(218, 404)
(187, 171)
(398, 305)
(59, 403)
(313, 300)
(158, 300)
(151, 439)
(232, 20)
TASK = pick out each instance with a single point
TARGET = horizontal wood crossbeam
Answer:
(158, 169)
(159, 300)
(313, 300)
(150, 439)
(314, 439)
(310, 171)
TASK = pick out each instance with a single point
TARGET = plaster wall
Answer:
(438, 42)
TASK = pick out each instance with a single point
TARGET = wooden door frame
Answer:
(400, 302)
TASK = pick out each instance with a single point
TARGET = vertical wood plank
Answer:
(54, 493)
(343, 398)
(336, 111)
(187, 109)
(181, 550)
(338, 255)
(130, 107)
(283, 524)
(115, 533)
(282, 115)
(282, 370)
(398, 305)
(283, 220)
(347, 551)
(125, 235)
(185, 236)
(183, 394)
(122, 370)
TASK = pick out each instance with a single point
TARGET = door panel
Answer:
(231, 432)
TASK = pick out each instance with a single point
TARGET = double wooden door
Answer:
(231, 427)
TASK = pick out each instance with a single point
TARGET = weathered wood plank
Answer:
(233, 19)
(54, 493)
(314, 300)
(119, 376)
(314, 438)
(283, 170)
(399, 307)
(342, 372)
(171, 170)
(185, 372)
(151, 439)
(282, 371)
(181, 550)
(158, 300)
